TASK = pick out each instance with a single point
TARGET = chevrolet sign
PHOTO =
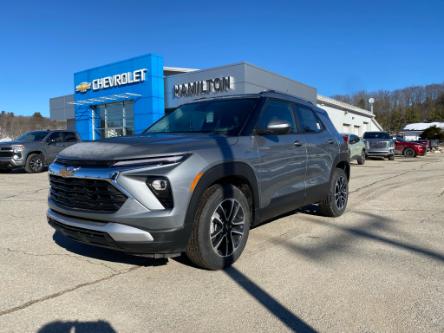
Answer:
(116, 80)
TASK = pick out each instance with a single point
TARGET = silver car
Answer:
(199, 178)
(356, 147)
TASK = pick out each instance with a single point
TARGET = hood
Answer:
(126, 148)
(10, 143)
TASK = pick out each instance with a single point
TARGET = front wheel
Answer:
(220, 228)
(34, 163)
(335, 203)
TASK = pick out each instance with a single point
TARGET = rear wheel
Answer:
(335, 203)
(409, 152)
(220, 228)
(34, 163)
(361, 159)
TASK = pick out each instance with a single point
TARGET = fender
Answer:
(218, 172)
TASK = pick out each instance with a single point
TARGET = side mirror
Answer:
(276, 127)
(51, 141)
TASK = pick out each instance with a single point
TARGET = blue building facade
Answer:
(121, 98)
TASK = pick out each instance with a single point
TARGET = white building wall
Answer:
(349, 122)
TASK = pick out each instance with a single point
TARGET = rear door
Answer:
(322, 149)
(283, 160)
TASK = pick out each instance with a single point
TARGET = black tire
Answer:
(391, 157)
(211, 227)
(34, 163)
(409, 152)
(361, 159)
(335, 203)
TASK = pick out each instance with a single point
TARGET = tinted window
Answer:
(376, 135)
(70, 137)
(353, 138)
(216, 116)
(275, 110)
(56, 137)
(32, 136)
(309, 122)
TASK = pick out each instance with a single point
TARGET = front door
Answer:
(282, 163)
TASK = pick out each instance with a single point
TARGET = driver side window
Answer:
(55, 137)
(276, 110)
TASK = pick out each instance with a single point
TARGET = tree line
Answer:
(12, 125)
(397, 108)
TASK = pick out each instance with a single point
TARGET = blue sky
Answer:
(336, 46)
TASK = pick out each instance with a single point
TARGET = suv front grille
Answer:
(85, 194)
(5, 153)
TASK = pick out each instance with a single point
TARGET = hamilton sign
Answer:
(203, 87)
(116, 80)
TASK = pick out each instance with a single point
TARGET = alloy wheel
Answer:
(227, 227)
(341, 193)
(36, 164)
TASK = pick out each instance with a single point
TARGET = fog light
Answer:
(16, 157)
(159, 184)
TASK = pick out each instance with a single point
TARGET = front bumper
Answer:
(119, 237)
(141, 225)
(379, 152)
(11, 163)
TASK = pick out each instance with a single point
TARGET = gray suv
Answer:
(35, 150)
(198, 179)
(379, 144)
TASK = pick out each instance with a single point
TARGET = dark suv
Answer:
(198, 179)
(35, 150)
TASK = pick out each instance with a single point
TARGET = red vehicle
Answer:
(409, 148)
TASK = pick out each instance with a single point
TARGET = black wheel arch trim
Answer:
(216, 173)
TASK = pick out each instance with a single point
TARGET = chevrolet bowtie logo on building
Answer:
(83, 87)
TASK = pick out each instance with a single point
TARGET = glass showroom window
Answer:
(115, 119)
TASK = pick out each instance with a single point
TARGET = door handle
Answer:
(331, 141)
(297, 143)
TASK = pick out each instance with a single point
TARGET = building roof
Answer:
(422, 126)
(324, 100)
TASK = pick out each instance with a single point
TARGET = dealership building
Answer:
(125, 97)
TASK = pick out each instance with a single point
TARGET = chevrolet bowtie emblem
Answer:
(83, 87)
(68, 171)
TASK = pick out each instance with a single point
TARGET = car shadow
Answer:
(105, 254)
(99, 326)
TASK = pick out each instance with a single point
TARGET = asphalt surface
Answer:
(378, 268)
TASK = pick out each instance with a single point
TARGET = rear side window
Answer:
(309, 122)
(276, 110)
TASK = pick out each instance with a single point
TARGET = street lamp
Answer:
(371, 100)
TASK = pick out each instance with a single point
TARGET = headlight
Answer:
(154, 161)
(18, 148)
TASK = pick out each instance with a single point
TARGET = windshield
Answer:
(377, 135)
(215, 116)
(32, 136)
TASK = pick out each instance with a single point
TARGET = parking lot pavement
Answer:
(378, 268)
